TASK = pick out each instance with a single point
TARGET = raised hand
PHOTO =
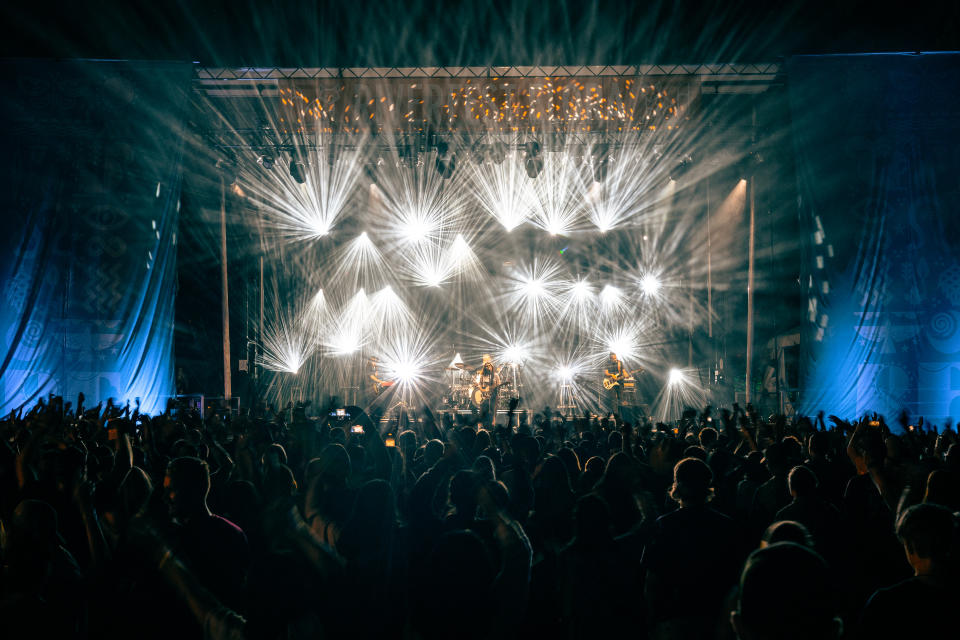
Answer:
(838, 423)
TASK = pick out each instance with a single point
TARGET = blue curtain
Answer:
(91, 171)
(877, 141)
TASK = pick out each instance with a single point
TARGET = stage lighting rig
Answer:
(533, 162)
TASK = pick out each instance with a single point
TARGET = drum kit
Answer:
(465, 391)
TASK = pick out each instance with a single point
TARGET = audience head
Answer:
(594, 466)
(432, 452)
(692, 479)
(186, 486)
(708, 437)
(333, 465)
(943, 488)
(278, 484)
(786, 592)
(952, 457)
(786, 531)
(819, 445)
(570, 461)
(552, 475)
(694, 451)
(34, 525)
(483, 467)
(135, 491)
(793, 449)
(372, 522)
(802, 482)
(592, 519)
(867, 450)
(928, 534)
(463, 492)
(482, 440)
(776, 459)
(407, 442)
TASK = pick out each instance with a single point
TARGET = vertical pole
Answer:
(224, 300)
(690, 328)
(709, 272)
(259, 347)
(752, 189)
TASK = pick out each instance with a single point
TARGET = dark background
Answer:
(375, 33)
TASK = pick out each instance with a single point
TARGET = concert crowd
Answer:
(313, 522)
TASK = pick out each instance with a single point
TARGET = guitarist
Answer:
(488, 381)
(615, 372)
(376, 384)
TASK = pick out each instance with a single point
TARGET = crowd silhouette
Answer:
(282, 524)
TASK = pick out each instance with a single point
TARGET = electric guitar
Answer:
(481, 394)
(611, 380)
(379, 385)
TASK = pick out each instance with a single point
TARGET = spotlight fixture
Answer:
(265, 160)
(533, 163)
(650, 284)
(298, 171)
(479, 154)
(407, 155)
(228, 169)
(370, 169)
(446, 162)
(681, 167)
(750, 163)
(497, 152)
(601, 154)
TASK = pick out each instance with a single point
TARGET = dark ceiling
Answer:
(383, 33)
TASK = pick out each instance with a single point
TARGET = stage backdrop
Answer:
(89, 199)
(877, 139)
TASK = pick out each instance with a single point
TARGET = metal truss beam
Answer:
(714, 78)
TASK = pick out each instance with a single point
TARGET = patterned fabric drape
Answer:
(878, 158)
(90, 200)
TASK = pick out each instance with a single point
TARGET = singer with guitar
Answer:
(487, 385)
(613, 377)
(376, 384)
